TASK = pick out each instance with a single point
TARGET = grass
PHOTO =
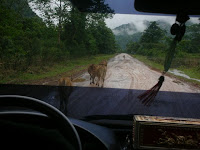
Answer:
(42, 72)
(192, 72)
(149, 63)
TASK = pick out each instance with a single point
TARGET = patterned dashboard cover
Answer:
(166, 132)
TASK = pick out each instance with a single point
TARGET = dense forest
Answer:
(61, 34)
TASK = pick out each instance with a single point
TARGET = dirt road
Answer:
(126, 78)
(129, 73)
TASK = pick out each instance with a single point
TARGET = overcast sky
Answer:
(123, 9)
(138, 20)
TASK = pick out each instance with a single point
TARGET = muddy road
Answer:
(129, 73)
(126, 78)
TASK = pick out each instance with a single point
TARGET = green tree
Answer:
(54, 12)
(132, 47)
(153, 33)
(75, 34)
(193, 35)
(105, 38)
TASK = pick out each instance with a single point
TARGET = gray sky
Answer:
(119, 19)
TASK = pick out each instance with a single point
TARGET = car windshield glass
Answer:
(87, 63)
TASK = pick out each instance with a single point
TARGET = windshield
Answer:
(87, 63)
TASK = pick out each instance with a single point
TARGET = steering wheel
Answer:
(63, 124)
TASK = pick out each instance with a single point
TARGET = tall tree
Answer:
(153, 33)
(54, 12)
(192, 44)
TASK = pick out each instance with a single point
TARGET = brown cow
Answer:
(92, 70)
(65, 89)
(101, 73)
(104, 62)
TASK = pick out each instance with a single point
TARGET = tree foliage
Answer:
(153, 33)
(155, 41)
(28, 40)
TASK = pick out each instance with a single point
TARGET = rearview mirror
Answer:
(144, 7)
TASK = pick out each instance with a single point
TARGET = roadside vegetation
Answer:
(192, 72)
(66, 68)
(32, 47)
(153, 45)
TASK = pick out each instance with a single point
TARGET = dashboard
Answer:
(23, 127)
(106, 136)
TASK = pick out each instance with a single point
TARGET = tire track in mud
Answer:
(125, 69)
(130, 96)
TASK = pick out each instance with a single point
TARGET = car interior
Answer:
(27, 122)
